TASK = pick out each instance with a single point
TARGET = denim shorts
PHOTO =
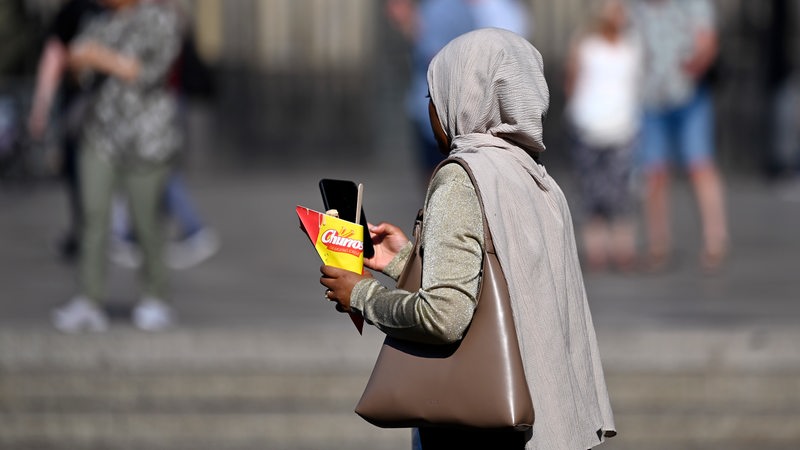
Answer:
(682, 135)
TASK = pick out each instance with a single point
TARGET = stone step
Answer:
(187, 410)
(334, 346)
(195, 430)
(178, 391)
(706, 410)
(310, 430)
(669, 429)
(212, 410)
(706, 392)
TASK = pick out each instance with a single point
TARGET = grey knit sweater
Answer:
(452, 236)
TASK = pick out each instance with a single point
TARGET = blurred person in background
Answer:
(129, 138)
(428, 25)
(19, 32)
(511, 15)
(782, 158)
(680, 45)
(193, 240)
(603, 74)
(69, 20)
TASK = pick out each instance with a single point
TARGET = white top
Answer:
(604, 107)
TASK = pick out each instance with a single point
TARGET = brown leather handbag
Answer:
(477, 382)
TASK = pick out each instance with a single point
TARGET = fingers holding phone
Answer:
(387, 240)
(343, 196)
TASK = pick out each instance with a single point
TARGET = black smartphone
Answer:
(342, 196)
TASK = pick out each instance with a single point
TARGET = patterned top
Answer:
(667, 29)
(135, 122)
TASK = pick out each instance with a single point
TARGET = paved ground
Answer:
(266, 272)
(256, 333)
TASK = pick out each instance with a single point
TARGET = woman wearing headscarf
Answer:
(488, 98)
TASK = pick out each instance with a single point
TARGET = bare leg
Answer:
(623, 244)
(707, 185)
(656, 210)
(595, 238)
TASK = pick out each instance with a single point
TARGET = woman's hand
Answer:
(340, 284)
(388, 240)
(705, 50)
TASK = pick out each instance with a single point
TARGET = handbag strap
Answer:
(488, 243)
(411, 276)
(418, 384)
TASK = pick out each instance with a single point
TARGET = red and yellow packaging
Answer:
(339, 243)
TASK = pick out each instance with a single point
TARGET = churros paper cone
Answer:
(339, 243)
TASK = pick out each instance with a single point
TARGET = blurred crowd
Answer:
(637, 98)
(117, 68)
(113, 76)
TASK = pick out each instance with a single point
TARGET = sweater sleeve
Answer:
(452, 239)
(395, 267)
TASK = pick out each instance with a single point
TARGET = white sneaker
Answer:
(152, 314)
(192, 250)
(79, 314)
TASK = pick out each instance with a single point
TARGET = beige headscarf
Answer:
(490, 82)
(489, 90)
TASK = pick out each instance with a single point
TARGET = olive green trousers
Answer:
(100, 178)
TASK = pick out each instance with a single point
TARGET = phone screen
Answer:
(342, 196)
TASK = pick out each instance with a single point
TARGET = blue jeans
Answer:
(180, 207)
(684, 134)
